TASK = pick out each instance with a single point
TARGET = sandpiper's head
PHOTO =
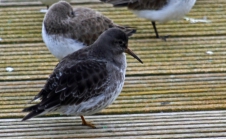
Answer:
(116, 42)
(61, 9)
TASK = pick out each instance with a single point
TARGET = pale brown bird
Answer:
(66, 30)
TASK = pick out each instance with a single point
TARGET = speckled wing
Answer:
(138, 4)
(71, 86)
(88, 25)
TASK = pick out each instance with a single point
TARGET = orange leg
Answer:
(87, 123)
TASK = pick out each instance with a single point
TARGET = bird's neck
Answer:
(118, 60)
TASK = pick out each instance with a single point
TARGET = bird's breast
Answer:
(59, 45)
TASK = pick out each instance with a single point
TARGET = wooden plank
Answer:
(189, 58)
(37, 2)
(208, 124)
(141, 94)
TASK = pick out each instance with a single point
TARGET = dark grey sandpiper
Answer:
(87, 80)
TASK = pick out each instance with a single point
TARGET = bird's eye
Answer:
(121, 42)
(72, 13)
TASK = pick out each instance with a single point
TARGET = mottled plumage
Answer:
(66, 30)
(87, 80)
(156, 10)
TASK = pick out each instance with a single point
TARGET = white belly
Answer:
(174, 10)
(60, 46)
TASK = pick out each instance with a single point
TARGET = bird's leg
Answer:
(86, 123)
(156, 32)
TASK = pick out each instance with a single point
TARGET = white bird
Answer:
(156, 10)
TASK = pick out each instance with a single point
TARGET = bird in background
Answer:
(66, 30)
(50, 2)
(156, 10)
(86, 81)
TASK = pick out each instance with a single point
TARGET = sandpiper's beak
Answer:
(128, 51)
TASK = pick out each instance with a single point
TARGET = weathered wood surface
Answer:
(37, 2)
(209, 124)
(186, 73)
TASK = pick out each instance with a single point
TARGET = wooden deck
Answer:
(179, 91)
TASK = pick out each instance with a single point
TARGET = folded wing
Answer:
(71, 86)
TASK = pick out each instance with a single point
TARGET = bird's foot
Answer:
(84, 122)
(89, 124)
(164, 37)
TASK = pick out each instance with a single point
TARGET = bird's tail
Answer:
(34, 111)
(128, 30)
(118, 3)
